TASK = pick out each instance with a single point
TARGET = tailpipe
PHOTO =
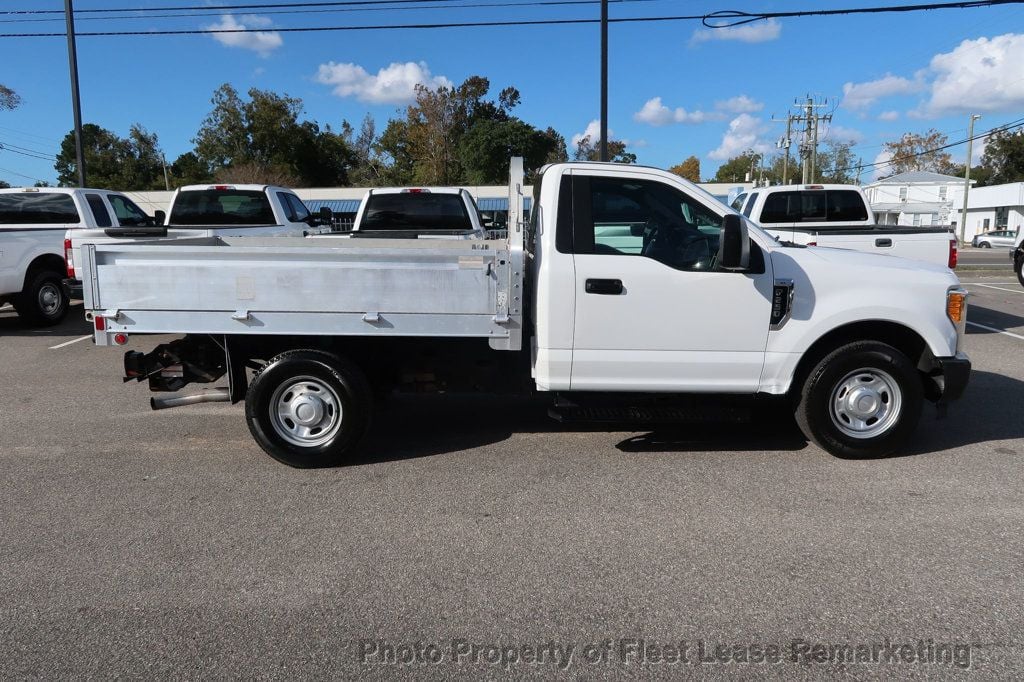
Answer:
(218, 396)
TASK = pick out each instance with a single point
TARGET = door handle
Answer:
(883, 242)
(608, 287)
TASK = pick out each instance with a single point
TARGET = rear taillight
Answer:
(69, 259)
(812, 243)
(952, 254)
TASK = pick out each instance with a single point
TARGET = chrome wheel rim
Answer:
(49, 299)
(305, 412)
(866, 403)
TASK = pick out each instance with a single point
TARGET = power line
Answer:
(997, 129)
(540, 22)
(21, 175)
(251, 6)
(208, 14)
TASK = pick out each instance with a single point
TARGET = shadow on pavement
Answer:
(992, 318)
(72, 325)
(422, 426)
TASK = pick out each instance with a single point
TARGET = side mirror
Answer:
(734, 244)
(326, 215)
(159, 218)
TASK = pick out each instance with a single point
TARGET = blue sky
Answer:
(675, 88)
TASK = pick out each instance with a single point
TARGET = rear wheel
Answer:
(43, 301)
(862, 400)
(984, 245)
(309, 408)
(1019, 267)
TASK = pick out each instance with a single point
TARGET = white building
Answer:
(998, 207)
(917, 198)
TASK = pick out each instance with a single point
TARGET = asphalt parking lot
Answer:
(158, 544)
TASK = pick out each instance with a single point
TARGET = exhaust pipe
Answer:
(218, 396)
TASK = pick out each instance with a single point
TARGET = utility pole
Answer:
(76, 103)
(784, 144)
(167, 181)
(967, 175)
(604, 80)
(809, 146)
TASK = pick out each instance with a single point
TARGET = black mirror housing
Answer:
(159, 218)
(734, 244)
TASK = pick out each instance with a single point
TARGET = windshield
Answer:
(416, 211)
(221, 207)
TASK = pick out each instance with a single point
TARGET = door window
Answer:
(99, 211)
(298, 210)
(127, 212)
(644, 218)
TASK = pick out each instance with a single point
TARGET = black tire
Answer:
(1018, 265)
(984, 245)
(43, 302)
(317, 381)
(820, 409)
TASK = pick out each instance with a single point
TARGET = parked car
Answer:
(610, 321)
(33, 225)
(840, 216)
(986, 240)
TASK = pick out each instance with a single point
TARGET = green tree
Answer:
(112, 162)
(737, 168)
(587, 150)
(1004, 157)
(4, 184)
(688, 169)
(187, 169)
(264, 137)
(9, 99)
(836, 162)
(486, 148)
(919, 152)
(395, 151)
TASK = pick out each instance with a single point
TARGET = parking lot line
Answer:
(989, 286)
(68, 343)
(994, 329)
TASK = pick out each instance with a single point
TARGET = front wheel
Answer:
(309, 408)
(43, 302)
(984, 245)
(1019, 267)
(862, 400)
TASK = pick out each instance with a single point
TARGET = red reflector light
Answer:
(69, 261)
(812, 243)
(120, 339)
(416, 190)
(100, 323)
(952, 254)
(221, 187)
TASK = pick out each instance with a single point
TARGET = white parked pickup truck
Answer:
(208, 211)
(33, 223)
(840, 216)
(630, 293)
(418, 213)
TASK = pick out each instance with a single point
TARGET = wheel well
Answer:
(903, 339)
(47, 261)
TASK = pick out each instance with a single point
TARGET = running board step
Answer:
(650, 414)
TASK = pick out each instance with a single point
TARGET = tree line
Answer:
(450, 135)
(457, 135)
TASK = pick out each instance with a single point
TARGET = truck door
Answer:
(653, 313)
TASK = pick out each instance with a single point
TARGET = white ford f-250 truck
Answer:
(418, 213)
(208, 211)
(34, 222)
(840, 216)
(630, 290)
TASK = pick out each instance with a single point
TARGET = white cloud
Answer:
(889, 116)
(262, 42)
(883, 169)
(758, 32)
(739, 105)
(744, 133)
(394, 84)
(655, 113)
(978, 75)
(593, 131)
(844, 134)
(863, 95)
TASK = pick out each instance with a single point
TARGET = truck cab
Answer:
(33, 224)
(418, 213)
